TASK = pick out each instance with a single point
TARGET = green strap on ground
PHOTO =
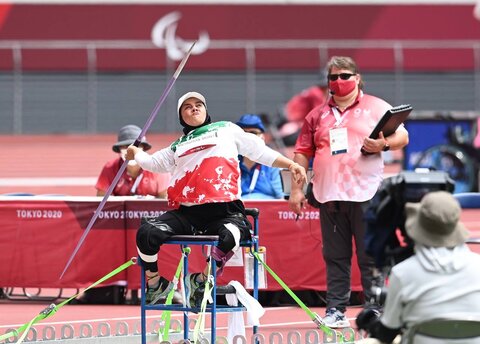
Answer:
(53, 308)
(315, 317)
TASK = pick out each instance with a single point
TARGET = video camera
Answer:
(386, 239)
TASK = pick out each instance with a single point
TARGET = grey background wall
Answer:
(37, 103)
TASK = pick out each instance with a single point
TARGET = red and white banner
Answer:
(38, 236)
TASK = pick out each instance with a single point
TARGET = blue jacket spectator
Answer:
(258, 181)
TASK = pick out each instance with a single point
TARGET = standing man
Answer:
(204, 190)
(344, 179)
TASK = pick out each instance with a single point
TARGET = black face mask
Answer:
(188, 128)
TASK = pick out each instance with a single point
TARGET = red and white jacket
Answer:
(204, 164)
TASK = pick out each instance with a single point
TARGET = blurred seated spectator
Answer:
(441, 278)
(258, 181)
(134, 180)
(298, 107)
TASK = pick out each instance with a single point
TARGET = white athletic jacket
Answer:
(204, 164)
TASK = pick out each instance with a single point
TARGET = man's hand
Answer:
(296, 201)
(374, 145)
(297, 198)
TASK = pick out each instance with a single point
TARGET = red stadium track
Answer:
(67, 164)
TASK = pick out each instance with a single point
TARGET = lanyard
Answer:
(136, 183)
(338, 118)
(256, 173)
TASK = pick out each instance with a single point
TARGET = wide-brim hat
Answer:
(127, 136)
(435, 221)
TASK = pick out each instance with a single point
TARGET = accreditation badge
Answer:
(338, 141)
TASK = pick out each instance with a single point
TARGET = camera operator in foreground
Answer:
(441, 278)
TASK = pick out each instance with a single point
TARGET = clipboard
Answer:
(390, 121)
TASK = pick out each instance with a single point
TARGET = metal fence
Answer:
(94, 101)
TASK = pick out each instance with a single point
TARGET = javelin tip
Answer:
(184, 61)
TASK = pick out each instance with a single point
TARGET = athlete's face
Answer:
(193, 112)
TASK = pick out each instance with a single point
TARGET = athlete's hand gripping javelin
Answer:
(131, 151)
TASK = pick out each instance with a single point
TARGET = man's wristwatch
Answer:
(386, 147)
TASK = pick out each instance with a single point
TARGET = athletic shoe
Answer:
(191, 285)
(177, 298)
(154, 295)
(335, 319)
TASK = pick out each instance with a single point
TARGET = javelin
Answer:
(124, 165)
